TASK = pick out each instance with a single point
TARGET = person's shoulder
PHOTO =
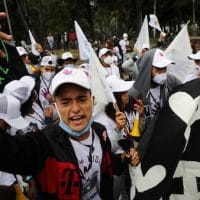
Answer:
(171, 79)
(98, 126)
(50, 130)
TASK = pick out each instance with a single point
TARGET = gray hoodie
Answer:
(142, 83)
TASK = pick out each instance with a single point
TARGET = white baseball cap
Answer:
(160, 59)
(20, 89)
(103, 51)
(21, 51)
(70, 75)
(49, 61)
(195, 56)
(68, 55)
(117, 84)
(10, 112)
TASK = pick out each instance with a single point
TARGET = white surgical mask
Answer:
(48, 75)
(108, 60)
(160, 78)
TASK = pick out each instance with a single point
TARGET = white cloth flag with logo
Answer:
(143, 38)
(100, 89)
(33, 43)
(154, 22)
(83, 43)
(178, 51)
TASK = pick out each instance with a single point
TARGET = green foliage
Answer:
(99, 19)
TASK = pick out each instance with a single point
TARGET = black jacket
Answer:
(48, 156)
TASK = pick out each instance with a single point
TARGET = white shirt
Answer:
(112, 70)
(123, 43)
(110, 125)
(194, 75)
(91, 177)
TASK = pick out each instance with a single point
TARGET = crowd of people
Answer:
(52, 146)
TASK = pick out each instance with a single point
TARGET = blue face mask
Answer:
(69, 65)
(72, 133)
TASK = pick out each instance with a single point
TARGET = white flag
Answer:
(143, 38)
(83, 43)
(100, 89)
(33, 42)
(178, 51)
(154, 22)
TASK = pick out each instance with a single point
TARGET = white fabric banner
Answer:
(143, 37)
(83, 43)
(154, 22)
(33, 42)
(178, 51)
(100, 89)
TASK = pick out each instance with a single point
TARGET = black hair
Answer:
(26, 108)
(110, 111)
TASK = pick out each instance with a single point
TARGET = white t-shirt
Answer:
(89, 149)
(43, 92)
(194, 75)
(112, 70)
(123, 43)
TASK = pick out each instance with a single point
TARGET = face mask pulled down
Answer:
(69, 131)
(160, 78)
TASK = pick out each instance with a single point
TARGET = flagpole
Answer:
(8, 18)
(193, 11)
(154, 10)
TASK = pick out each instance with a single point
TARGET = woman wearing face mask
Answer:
(153, 84)
(105, 57)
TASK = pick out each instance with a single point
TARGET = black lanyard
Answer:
(91, 150)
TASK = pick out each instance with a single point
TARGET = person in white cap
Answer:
(124, 42)
(153, 84)
(119, 124)
(105, 57)
(10, 116)
(47, 72)
(71, 159)
(196, 72)
(68, 60)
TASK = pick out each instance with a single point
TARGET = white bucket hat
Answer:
(10, 112)
(118, 85)
(195, 56)
(20, 89)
